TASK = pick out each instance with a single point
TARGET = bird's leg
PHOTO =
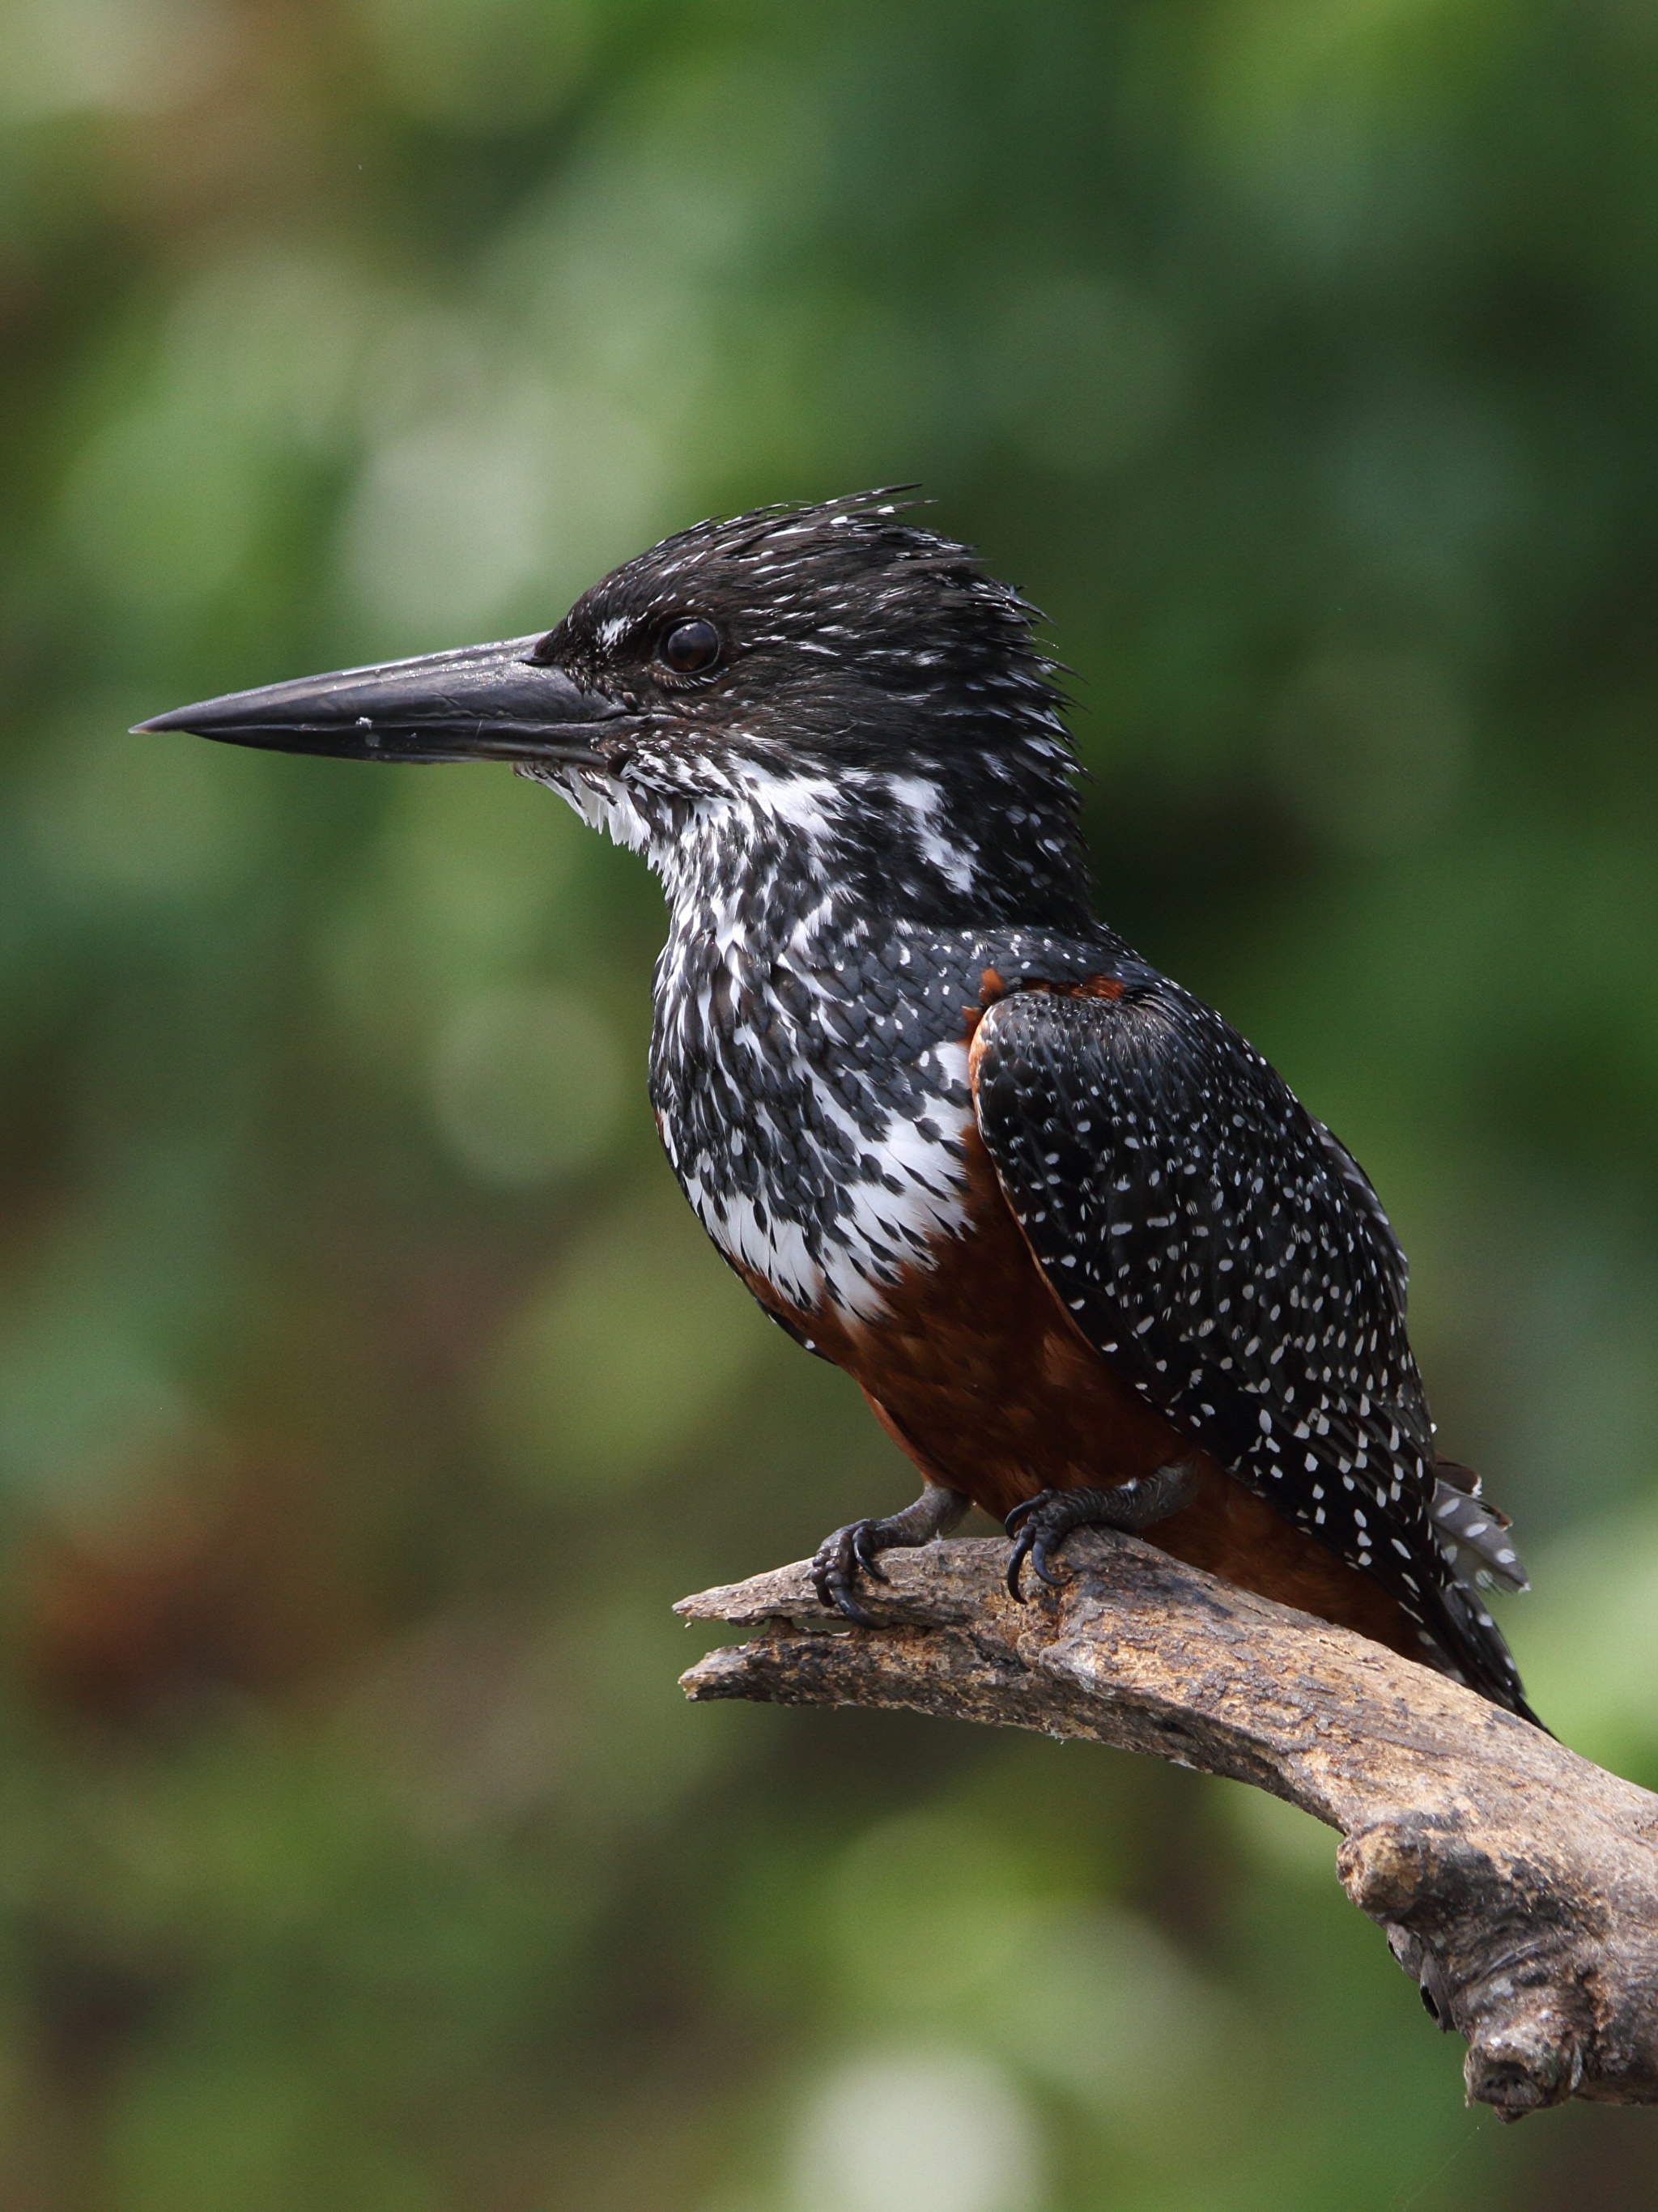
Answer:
(850, 1552)
(1039, 1525)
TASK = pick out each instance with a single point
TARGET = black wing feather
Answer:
(1230, 1256)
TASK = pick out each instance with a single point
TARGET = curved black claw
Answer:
(839, 1561)
(1036, 1524)
(851, 1552)
(1040, 1525)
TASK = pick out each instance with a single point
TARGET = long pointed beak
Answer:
(481, 703)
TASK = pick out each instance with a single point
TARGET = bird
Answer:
(1088, 1257)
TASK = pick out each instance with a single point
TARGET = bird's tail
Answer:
(1475, 1539)
(1474, 1533)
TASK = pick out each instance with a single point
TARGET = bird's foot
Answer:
(1040, 1525)
(851, 1553)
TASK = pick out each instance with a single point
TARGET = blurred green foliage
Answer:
(366, 1395)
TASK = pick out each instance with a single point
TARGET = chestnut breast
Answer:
(980, 1375)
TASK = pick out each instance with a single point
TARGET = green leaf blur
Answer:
(366, 1397)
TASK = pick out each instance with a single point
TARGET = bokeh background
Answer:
(366, 1392)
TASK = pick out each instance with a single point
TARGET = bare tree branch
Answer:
(1517, 1882)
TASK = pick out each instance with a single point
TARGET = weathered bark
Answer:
(1517, 1882)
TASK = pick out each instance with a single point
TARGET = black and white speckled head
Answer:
(835, 738)
(856, 683)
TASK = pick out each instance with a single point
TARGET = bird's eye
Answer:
(689, 647)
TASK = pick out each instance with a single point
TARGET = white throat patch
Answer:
(815, 1128)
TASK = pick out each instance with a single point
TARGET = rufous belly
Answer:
(978, 1374)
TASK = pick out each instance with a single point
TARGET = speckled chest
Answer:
(812, 1088)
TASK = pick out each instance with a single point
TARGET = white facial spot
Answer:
(924, 803)
(602, 803)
